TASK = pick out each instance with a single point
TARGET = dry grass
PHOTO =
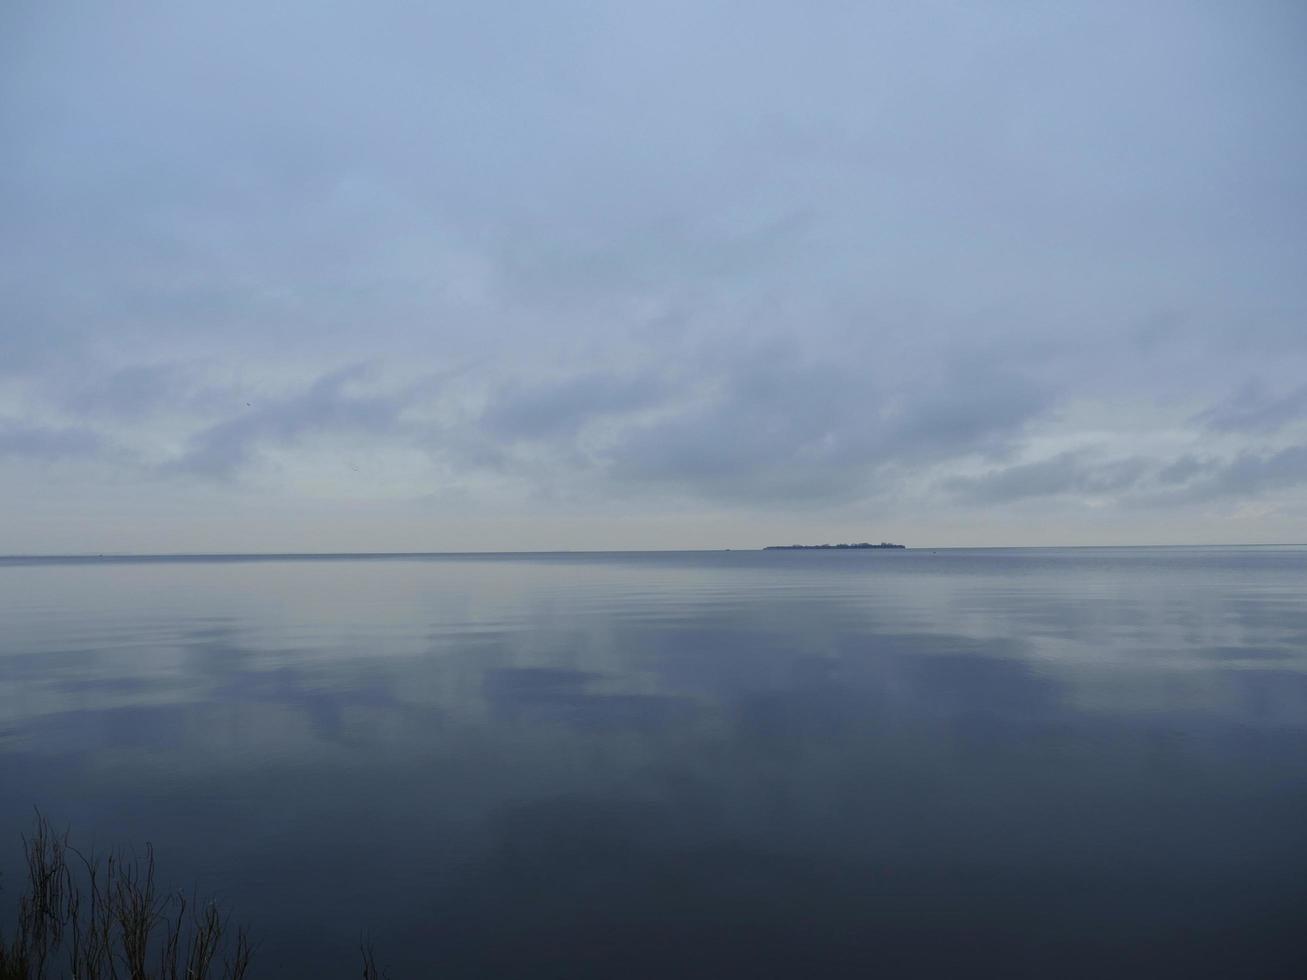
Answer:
(370, 971)
(83, 918)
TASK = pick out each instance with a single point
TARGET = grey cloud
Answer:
(975, 407)
(533, 410)
(752, 424)
(129, 392)
(1066, 473)
(757, 254)
(140, 390)
(325, 406)
(1138, 480)
(43, 442)
(1254, 409)
(771, 430)
(1250, 474)
(783, 431)
(1184, 469)
(659, 253)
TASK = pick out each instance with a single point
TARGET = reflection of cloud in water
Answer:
(205, 693)
(557, 695)
(787, 782)
(1246, 653)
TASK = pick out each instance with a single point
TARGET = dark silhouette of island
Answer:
(831, 547)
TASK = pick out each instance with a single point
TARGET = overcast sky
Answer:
(484, 275)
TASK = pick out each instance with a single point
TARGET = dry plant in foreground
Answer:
(86, 919)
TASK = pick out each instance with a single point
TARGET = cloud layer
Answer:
(429, 276)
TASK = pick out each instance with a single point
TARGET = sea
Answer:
(865, 763)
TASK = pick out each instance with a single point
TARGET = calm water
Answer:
(1024, 762)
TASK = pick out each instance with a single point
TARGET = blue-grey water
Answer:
(1080, 762)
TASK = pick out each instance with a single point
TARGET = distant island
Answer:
(831, 547)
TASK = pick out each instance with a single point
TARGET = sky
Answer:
(447, 276)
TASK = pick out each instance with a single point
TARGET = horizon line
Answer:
(116, 555)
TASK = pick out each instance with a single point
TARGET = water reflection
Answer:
(691, 765)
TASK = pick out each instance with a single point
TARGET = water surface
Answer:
(1020, 762)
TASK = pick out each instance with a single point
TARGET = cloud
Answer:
(784, 430)
(1250, 474)
(971, 408)
(530, 410)
(1254, 409)
(1076, 473)
(136, 392)
(791, 259)
(1184, 469)
(44, 442)
(1138, 480)
(753, 423)
(327, 406)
